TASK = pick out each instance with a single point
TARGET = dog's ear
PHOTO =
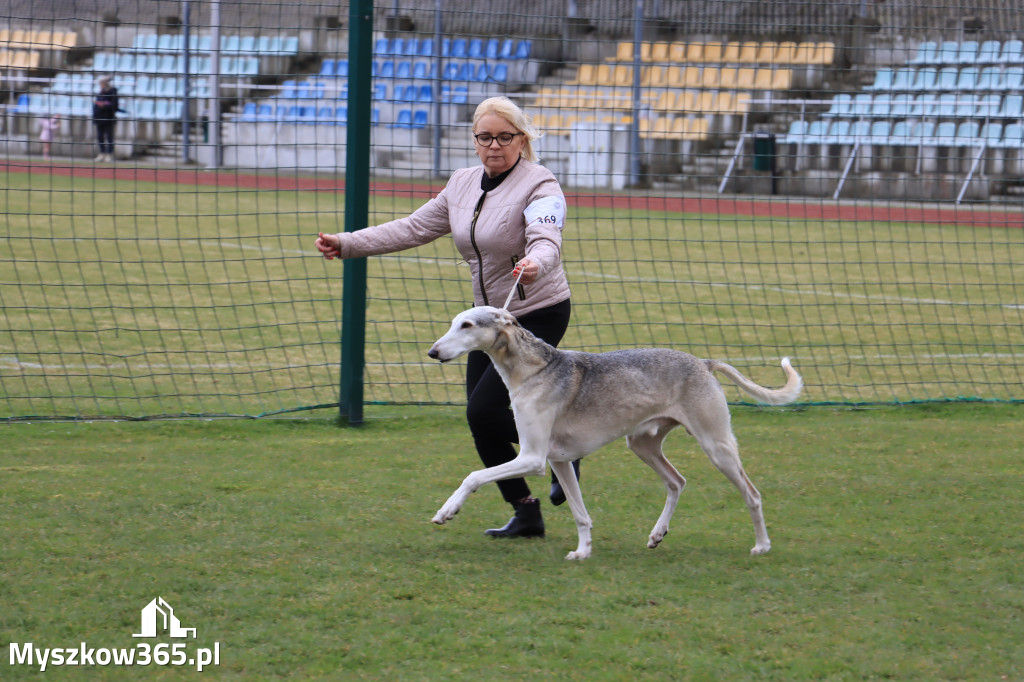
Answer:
(505, 318)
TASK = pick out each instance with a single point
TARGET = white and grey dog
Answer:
(567, 404)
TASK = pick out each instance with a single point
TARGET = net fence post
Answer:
(357, 191)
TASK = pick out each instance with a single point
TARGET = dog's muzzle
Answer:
(435, 355)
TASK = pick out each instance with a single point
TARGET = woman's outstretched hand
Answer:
(329, 245)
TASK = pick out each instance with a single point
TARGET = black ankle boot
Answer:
(527, 522)
(557, 495)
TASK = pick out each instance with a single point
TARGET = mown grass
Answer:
(125, 298)
(306, 550)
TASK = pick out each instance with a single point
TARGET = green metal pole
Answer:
(357, 196)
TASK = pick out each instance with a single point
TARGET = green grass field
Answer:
(138, 299)
(306, 552)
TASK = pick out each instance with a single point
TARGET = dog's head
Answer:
(479, 328)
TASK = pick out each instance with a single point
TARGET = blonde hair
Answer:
(516, 117)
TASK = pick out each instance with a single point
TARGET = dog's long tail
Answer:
(769, 396)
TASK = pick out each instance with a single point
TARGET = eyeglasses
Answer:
(504, 139)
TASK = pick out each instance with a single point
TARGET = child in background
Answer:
(47, 129)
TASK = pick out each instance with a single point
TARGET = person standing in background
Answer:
(104, 115)
(47, 129)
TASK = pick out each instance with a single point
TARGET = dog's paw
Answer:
(441, 517)
(577, 555)
(758, 550)
(656, 537)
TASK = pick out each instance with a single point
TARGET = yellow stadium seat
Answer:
(746, 78)
(766, 52)
(19, 38)
(623, 75)
(713, 53)
(687, 102)
(623, 53)
(804, 53)
(697, 130)
(748, 52)
(585, 75)
(69, 39)
(5, 36)
(677, 53)
(654, 77)
(660, 52)
(711, 77)
(825, 53)
(782, 79)
(706, 100)
(5, 59)
(666, 100)
(763, 79)
(786, 54)
(726, 79)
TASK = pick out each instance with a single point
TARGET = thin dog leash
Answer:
(513, 292)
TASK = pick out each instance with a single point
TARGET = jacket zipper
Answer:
(476, 249)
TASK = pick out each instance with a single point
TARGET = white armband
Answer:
(547, 210)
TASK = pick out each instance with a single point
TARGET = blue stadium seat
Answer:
(420, 118)
(901, 105)
(508, 50)
(989, 52)
(946, 78)
(924, 79)
(968, 52)
(841, 106)
(992, 133)
(247, 45)
(903, 79)
(459, 49)
(1013, 137)
(989, 78)
(1013, 78)
(492, 48)
(403, 69)
(924, 106)
(499, 72)
(881, 106)
(927, 53)
(341, 68)
(967, 80)
(816, 131)
(327, 67)
(250, 112)
(1013, 107)
(946, 106)
(460, 95)
(944, 135)
(949, 52)
(387, 70)
(341, 116)
(426, 48)
(797, 131)
(425, 93)
(862, 103)
(476, 48)
(1013, 52)
(404, 119)
(398, 46)
(523, 49)
(838, 132)
(883, 80)
(451, 71)
(989, 105)
(422, 70)
(382, 47)
(879, 133)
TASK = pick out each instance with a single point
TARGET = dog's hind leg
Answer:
(723, 451)
(648, 446)
(571, 488)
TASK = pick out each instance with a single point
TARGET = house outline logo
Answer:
(151, 623)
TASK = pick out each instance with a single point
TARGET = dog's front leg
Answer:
(571, 488)
(526, 464)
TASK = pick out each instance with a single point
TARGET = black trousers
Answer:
(105, 134)
(489, 408)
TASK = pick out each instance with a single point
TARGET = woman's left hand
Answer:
(530, 271)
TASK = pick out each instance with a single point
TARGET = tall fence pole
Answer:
(357, 195)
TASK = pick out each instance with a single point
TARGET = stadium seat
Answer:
(927, 53)
(1012, 79)
(1013, 137)
(883, 80)
(861, 105)
(968, 52)
(948, 52)
(946, 78)
(944, 135)
(499, 73)
(327, 67)
(523, 49)
(1013, 52)
(475, 48)
(879, 133)
(945, 106)
(901, 105)
(988, 106)
(881, 106)
(988, 53)
(796, 133)
(991, 134)
(924, 79)
(842, 105)
(903, 79)
(989, 79)
(1013, 107)
(967, 80)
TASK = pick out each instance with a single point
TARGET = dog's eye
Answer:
(466, 325)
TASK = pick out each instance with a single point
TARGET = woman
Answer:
(104, 114)
(505, 219)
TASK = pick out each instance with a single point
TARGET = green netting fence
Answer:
(838, 182)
